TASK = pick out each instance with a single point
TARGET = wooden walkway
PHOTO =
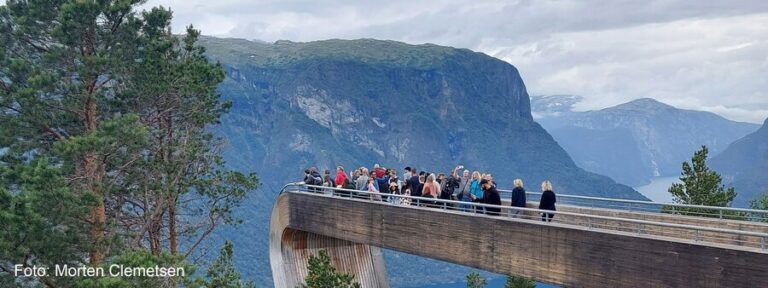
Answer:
(565, 252)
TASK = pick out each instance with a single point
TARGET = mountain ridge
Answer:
(663, 135)
(744, 165)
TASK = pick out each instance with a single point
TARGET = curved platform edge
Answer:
(290, 249)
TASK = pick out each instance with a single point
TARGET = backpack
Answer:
(448, 189)
(349, 185)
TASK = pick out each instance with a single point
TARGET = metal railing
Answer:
(685, 232)
(729, 213)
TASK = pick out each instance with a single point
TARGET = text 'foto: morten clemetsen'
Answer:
(114, 270)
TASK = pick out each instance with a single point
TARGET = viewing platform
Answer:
(592, 242)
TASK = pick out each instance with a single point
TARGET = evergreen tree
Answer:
(701, 186)
(103, 136)
(474, 280)
(760, 204)
(519, 282)
(323, 275)
(223, 273)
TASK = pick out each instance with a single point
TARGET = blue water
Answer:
(657, 189)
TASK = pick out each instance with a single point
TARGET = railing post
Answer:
(696, 237)
(721, 213)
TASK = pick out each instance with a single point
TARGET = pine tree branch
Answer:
(36, 46)
(5, 86)
(44, 126)
(213, 221)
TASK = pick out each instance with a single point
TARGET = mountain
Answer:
(635, 141)
(744, 165)
(359, 102)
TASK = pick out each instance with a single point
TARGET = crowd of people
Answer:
(425, 187)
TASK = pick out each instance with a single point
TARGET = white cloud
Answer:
(708, 56)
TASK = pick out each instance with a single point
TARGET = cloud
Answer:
(698, 56)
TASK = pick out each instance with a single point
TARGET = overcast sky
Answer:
(704, 55)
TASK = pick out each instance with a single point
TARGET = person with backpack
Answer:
(464, 184)
(312, 178)
(349, 185)
(450, 185)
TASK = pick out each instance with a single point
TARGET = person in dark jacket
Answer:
(311, 177)
(450, 185)
(547, 202)
(415, 185)
(383, 185)
(518, 197)
(490, 196)
(330, 180)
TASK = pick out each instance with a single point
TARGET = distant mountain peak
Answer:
(643, 104)
(553, 105)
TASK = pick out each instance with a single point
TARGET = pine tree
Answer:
(474, 280)
(760, 204)
(223, 273)
(110, 111)
(519, 282)
(701, 186)
(323, 275)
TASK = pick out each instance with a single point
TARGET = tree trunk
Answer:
(172, 225)
(93, 176)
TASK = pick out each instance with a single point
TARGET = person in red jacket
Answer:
(380, 172)
(340, 176)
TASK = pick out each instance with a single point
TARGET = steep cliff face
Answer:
(362, 102)
(638, 140)
(744, 164)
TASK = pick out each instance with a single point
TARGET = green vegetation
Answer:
(104, 144)
(519, 282)
(701, 186)
(323, 275)
(222, 273)
(760, 204)
(369, 51)
(474, 280)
